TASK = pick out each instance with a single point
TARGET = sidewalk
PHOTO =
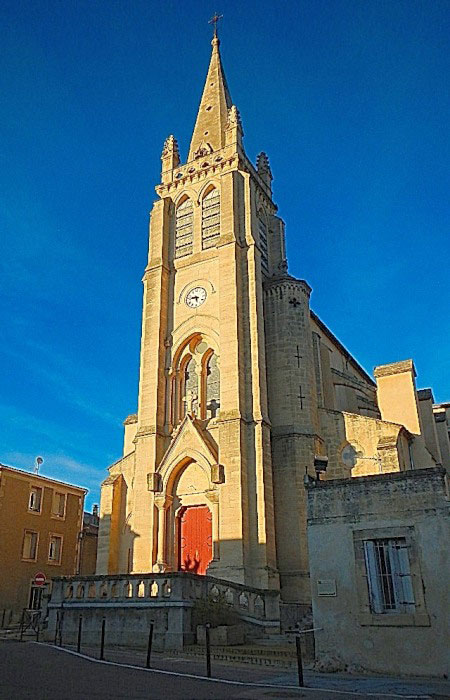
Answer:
(339, 682)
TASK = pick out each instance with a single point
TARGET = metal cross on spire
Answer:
(216, 18)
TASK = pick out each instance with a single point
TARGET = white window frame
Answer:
(53, 536)
(34, 490)
(26, 532)
(56, 502)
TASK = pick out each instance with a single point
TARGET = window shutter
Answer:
(373, 579)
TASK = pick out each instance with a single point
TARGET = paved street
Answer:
(42, 672)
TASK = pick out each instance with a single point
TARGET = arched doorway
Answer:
(195, 542)
(188, 518)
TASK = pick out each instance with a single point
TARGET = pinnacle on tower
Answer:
(209, 130)
(263, 168)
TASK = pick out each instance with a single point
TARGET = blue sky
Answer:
(350, 100)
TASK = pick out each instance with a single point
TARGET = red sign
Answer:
(39, 579)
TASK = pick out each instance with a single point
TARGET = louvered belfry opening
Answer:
(210, 219)
(184, 227)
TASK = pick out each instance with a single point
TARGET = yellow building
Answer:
(40, 522)
(241, 384)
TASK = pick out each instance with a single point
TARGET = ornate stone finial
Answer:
(262, 164)
(170, 158)
(234, 118)
(233, 127)
(263, 168)
(171, 148)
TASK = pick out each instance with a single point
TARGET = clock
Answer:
(196, 297)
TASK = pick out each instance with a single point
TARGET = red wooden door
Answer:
(195, 539)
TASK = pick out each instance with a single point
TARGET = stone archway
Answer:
(188, 519)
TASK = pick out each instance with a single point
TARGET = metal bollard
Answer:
(208, 651)
(22, 622)
(61, 622)
(102, 642)
(3, 617)
(56, 627)
(149, 646)
(299, 661)
(80, 624)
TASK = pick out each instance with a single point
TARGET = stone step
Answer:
(255, 655)
(286, 662)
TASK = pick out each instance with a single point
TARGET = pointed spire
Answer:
(209, 130)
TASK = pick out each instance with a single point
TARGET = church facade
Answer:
(242, 388)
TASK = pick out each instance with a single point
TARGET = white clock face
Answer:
(196, 297)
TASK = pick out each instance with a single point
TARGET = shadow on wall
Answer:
(115, 546)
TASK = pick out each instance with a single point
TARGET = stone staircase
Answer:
(268, 653)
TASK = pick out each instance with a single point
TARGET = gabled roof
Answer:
(190, 436)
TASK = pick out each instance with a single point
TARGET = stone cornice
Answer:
(395, 368)
(132, 418)
(287, 282)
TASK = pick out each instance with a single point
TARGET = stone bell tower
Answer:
(194, 489)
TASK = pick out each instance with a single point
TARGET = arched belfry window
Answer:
(210, 219)
(191, 396)
(195, 381)
(212, 377)
(184, 226)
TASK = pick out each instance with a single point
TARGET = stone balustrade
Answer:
(130, 602)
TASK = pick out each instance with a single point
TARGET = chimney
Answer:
(426, 400)
(397, 395)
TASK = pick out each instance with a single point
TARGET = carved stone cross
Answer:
(213, 406)
(301, 397)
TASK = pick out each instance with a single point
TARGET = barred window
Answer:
(210, 219)
(262, 228)
(389, 576)
(184, 225)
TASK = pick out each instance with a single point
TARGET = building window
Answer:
(210, 219)
(184, 226)
(389, 576)
(59, 504)
(54, 550)
(30, 545)
(35, 501)
(212, 378)
(189, 396)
